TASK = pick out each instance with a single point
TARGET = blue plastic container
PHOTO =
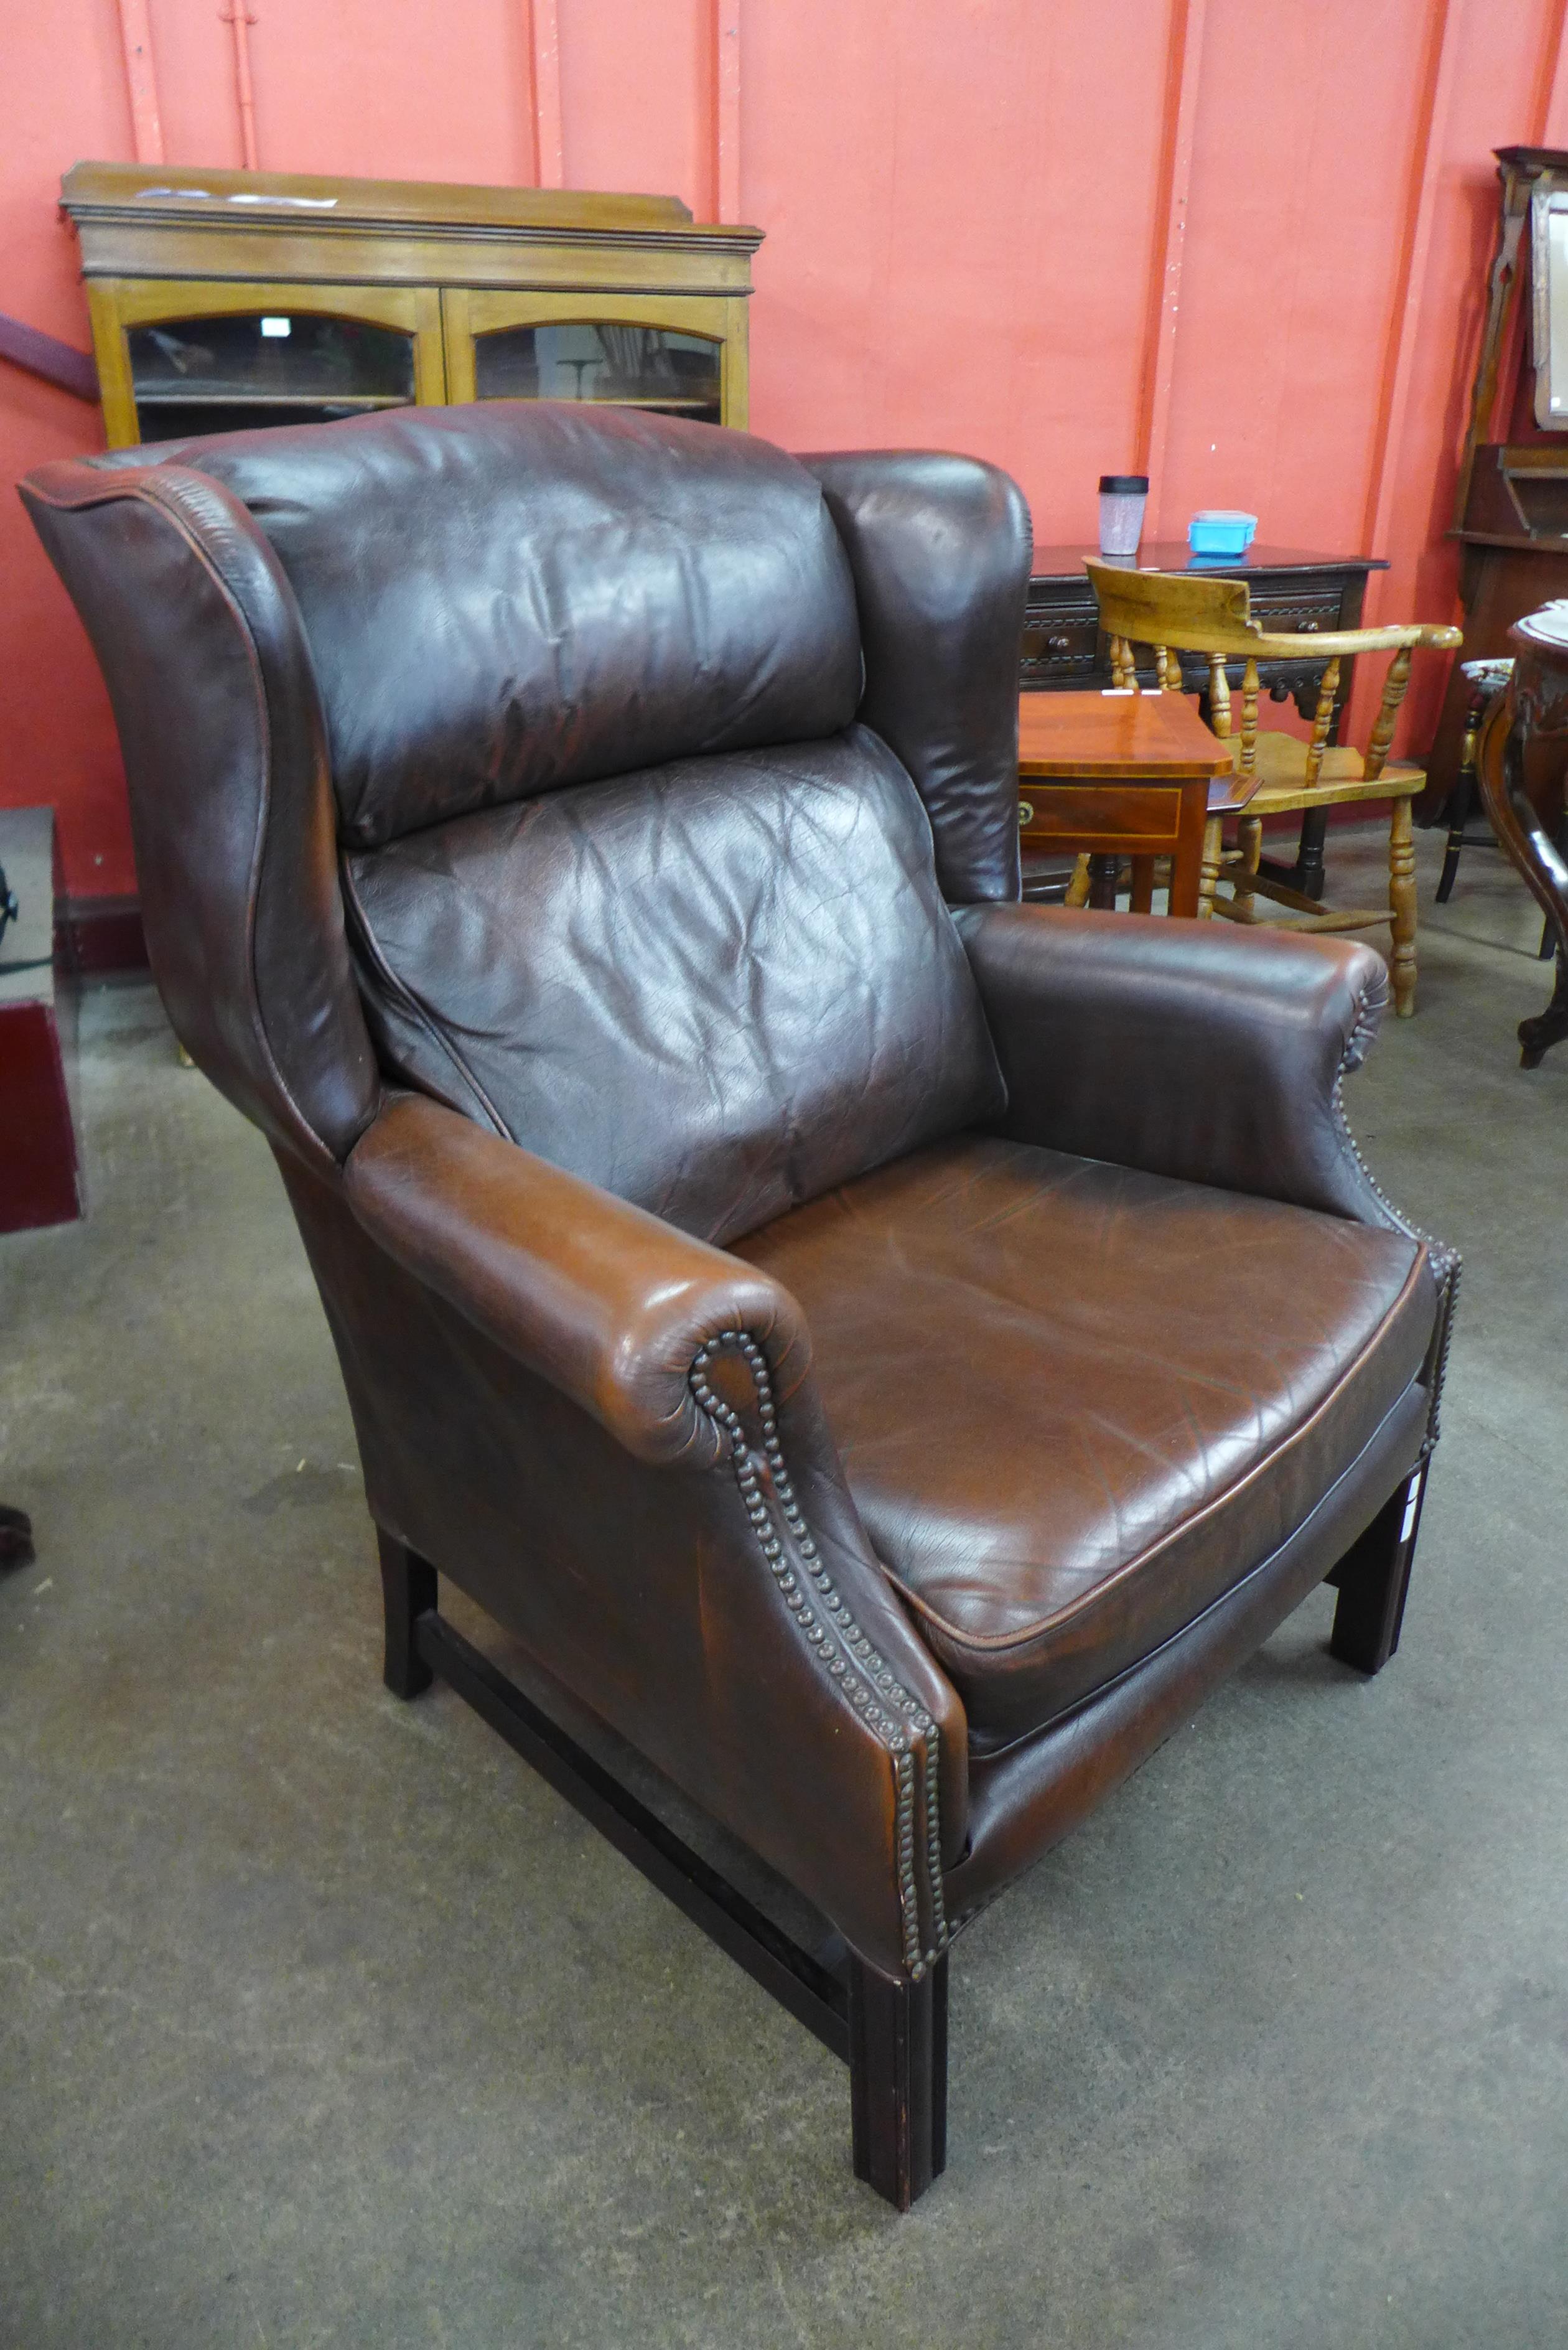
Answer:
(1215, 532)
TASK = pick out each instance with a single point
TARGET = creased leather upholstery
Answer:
(940, 547)
(197, 632)
(606, 1302)
(1062, 1450)
(1028, 1796)
(666, 985)
(505, 598)
(1229, 1048)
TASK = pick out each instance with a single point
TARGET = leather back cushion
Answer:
(509, 597)
(717, 988)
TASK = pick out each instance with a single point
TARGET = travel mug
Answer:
(1122, 500)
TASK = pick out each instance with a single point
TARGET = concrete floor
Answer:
(322, 2021)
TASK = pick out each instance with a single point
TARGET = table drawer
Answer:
(1060, 646)
(1292, 611)
(1135, 819)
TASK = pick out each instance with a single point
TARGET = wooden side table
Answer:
(1125, 775)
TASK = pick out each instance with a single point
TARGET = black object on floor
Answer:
(15, 1537)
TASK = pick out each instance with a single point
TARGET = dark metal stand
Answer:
(892, 2034)
(1373, 1578)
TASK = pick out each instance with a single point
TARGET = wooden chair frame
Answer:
(1173, 613)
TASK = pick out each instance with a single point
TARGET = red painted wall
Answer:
(1249, 237)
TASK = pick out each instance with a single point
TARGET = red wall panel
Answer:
(976, 210)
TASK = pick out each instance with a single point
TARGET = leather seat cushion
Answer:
(1075, 1403)
(717, 988)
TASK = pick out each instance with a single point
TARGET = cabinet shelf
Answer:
(236, 395)
(674, 407)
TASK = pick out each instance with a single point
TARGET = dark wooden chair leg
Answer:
(1461, 806)
(899, 2080)
(1310, 877)
(1373, 1578)
(1104, 878)
(408, 1592)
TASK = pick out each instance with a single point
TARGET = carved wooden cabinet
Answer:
(224, 300)
(1290, 590)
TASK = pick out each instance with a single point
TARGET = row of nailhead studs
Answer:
(1449, 1302)
(922, 1722)
(854, 1688)
(892, 1732)
(1440, 1249)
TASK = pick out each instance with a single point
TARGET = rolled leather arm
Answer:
(1188, 1049)
(734, 1623)
(606, 1302)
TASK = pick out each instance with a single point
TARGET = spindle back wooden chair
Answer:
(1178, 614)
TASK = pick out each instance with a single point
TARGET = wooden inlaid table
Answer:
(1125, 775)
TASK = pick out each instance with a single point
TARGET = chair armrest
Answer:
(1345, 644)
(609, 1304)
(1188, 1049)
(1189, 614)
(702, 1579)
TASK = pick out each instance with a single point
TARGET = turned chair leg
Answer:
(408, 1592)
(1373, 1578)
(1402, 904)
(899, 2079)
(1078, 887)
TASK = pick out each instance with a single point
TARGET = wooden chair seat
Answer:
(1281, 767)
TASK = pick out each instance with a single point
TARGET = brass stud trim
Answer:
(890, 1710)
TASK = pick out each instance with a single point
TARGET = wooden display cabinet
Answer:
(224, 300)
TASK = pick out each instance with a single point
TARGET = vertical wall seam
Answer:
(1549, 122)
(1180, 111)
(1399, 361)
(549, 147)
(727, 109)
(239, 20)
(142, 82)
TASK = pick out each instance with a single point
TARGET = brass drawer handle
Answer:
(1025, 813)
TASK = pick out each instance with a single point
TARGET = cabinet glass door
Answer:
(603, 364)
(225, 375)
(198, 359)
(677, 355)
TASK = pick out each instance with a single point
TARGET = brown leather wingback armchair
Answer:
(886, 1349)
